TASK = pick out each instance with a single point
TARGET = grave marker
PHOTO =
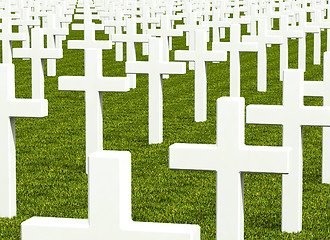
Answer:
(322, 89)
(10, 108)
(263, 40)
(37, 53)
(235, 46)
(7, 37)
(53, 33)
(155, 68)
(131, 37)
(292, 115)
(286, 32)
(109, 209)
(93, 84)
(165, 32)
(200, 56)
(230, 158)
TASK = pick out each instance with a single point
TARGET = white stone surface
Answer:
(109, 209)
(10, 108)
(230, 158)
(292, 115)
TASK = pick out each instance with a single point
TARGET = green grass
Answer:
(51, 179)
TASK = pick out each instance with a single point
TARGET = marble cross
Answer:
(292, 115)
(230, 158)
(165, 32)
(200, 56)
(93, 84)
(235, 46)
(109, 209)
(10, 108)
(322, 89)
(263, 39)
(117, 26)
(286, 32)
(131, 37)
(155, 67)
(53, 32)
(7, 37)
(37, 53)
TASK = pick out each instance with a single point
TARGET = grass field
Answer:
(51, 179)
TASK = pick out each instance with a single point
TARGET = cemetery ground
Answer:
(51, 178)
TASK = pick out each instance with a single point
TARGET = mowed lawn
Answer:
(51, 179)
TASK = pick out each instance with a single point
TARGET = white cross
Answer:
(165, 32)
(145, 20)
(52, 33)
(155, 67)
(235, 46)
(89, 39)
(263, 40)
(93, 84)
(230, 158)
(109, 209)
(200, 56)
(323, 24)
(37, 53)
(131, 37)
(322, 89)
(24, 23)
(118, 25)
(308, 27)
(6, 38)
(190, 28)
(286, 32)
(10, 108)
(292, 115)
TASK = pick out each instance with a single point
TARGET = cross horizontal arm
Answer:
(193, 156)
(173, 68)
(314, 88)
(13, 36)
(264, 159)
(55, 223)
(43, 53)
(82, 44)
(71, 83)
(263, 114)
(137, 67)
(248, 47)
(49, 53)
(210, 56)
(226, 46)
(113, 84)
(22, 52)
(316, 116)
(28, 108)
(61, 31)
(81, 27)
(161, 231)
(184, 55)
